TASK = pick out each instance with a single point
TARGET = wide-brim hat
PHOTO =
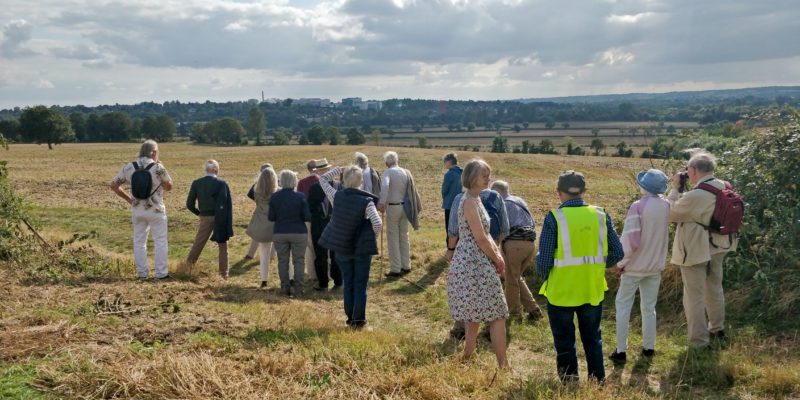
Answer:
(653, 180)
(322, 163)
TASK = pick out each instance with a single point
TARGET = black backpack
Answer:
(142, 182)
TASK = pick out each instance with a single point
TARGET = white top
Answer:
(645, 236)
(159, 175)
(366, 179)
(393, 185)
(370, 212)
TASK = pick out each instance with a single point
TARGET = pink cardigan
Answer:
(645, 236)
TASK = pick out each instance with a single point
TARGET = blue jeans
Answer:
(355, 276)
(563, 328)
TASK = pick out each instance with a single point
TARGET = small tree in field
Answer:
(422, 142)
(597, 145)
(499, 144)
(45, 125)
(256, 124)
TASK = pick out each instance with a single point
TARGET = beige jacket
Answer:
(693, 243)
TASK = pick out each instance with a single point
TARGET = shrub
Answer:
(13, 210)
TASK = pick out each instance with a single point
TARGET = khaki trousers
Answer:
(703, 297)
(518, 254)
(397, 238)
(204, 229)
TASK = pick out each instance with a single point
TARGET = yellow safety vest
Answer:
(578, 273)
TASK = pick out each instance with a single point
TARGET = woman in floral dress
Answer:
(474, 291)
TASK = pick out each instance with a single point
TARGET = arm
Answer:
(485, 243)
(452, 224)
(272, 214)
(384, 190)
(191, 199)
(503, 215)
(548, 241)
(631, 233)
(306, 211)
(452, 241)
(252, 193)
(371, 213)
(115, 186)
(615, 251)
(446, 184)
(325, 182)
(681, 206)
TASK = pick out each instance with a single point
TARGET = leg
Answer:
(204, 229)
(360, 281)
(320, 263)
(648, 296)
(393, 236)
(589, 325)
(497, 329)
(694, 277)
(623, 304)
(251, 252)
(158, 228)
(405, 247)
(310, 254)
(299, 243)
(223, 260)
(264, 257)
(513, 258)
(563, 328)
(141, 229)
(446, 223)
(336, 273)
(282, 248)
(457, 331)
(528, 302)
(471, 338)
(715, 298)
(347, 265)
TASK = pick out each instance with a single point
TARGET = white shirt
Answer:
(159, 175)
(393, 186)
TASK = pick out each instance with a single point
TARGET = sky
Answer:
(92, 52)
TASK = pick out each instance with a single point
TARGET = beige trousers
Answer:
(397, 238)
(703, 299)
(204, 229)
(518, 254)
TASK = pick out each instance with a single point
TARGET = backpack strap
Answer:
(710, 188)
(147, 168)
(136, 166)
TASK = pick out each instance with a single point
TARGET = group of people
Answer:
(328, 224)
(491, 235)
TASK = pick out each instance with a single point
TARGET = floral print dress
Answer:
(474, 290)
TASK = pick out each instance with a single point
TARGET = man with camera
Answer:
(699, 250)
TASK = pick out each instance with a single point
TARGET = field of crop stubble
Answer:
(205, 338)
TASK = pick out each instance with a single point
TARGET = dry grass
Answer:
(231, 340)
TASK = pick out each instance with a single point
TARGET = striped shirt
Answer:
(370, 213)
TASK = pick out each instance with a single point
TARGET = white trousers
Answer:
(648, 295)
(266, 253)
(397, 238)
(150, 222)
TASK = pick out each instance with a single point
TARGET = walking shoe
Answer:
(248, 257)
(320, 288)
(457, 334)
(534, 316)
(648, 353)
(393, 275)
(405, 271)
(164, 278)
(263, 285)
(718, 335)
(618, 358)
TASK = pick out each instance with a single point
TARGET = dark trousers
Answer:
(321, 258)
(563, 328)
(355, 276)
(446, 223)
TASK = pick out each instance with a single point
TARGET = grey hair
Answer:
(352, 177)
(500, 187)
(703, 161)
(362, 160)
(471, 172)
(147, 148)
(390, 157)
(266, 184)
(452, 157)
(288, 179)
(211, 165)
(265, 166)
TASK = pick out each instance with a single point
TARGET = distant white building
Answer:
(313, 101)
(352, 102)
(373, 105)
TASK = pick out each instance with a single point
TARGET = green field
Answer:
(207, 338)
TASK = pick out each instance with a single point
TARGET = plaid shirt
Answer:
(548, 241)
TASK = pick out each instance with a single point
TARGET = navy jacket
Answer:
(348, 232)
(289, 210)
(223, 213)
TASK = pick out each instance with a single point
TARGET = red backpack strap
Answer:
(710, 188)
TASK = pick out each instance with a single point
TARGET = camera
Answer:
(684, 183)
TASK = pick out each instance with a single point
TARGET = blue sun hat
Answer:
(653, 180)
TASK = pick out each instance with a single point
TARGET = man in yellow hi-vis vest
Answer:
(577, 244)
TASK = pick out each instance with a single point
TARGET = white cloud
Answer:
(44, 84)
(616, 56)
(628, 18)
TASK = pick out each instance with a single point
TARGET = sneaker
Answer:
(393, 274)
(718, 335)
(648, 353)
(618, 358)
(248, 257)
(405, 271)
(164, 278)
(320, 288)
(263, 285)
(142, 279)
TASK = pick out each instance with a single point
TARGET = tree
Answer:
(165, 129)
(565, 125)
(230, 131)
(550, 124)
(526, 125)
(40, 124)
(93, 128)
(546, 147)
(597, 145)
(316, 135)
(283, 137)
(115, 127)
(671, 129)
(355, 136)
(499, 144)
(78, 122)
(526, 146)
(10, 128)
(256, 124)
(422, 142)
(376, 137)
(595, 132)
(623, 150)
(334, 135)
(471, 126)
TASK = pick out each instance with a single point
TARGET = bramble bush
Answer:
(12, 211)
(766, 172)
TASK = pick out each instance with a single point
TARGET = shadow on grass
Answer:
(697, 371)
(242, 267)
(242, 295)
(270, 337)
(431, 275)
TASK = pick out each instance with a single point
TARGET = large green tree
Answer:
(10, 128)
(161, 128)
(256, 124)
(115, 127)
(41, 124)
(355, 136)
(317, 135)
(78, 122)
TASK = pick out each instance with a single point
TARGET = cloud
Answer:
(15, 35)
